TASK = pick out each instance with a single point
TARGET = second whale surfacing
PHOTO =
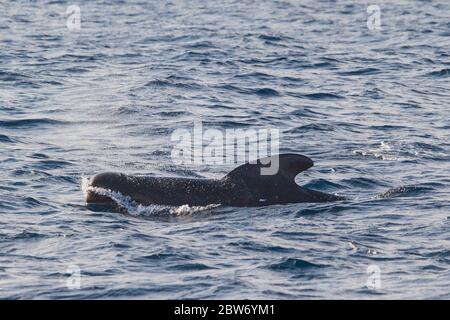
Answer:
(245, 186)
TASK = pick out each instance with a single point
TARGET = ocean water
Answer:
(367, 101)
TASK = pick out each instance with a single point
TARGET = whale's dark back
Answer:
(161, 190)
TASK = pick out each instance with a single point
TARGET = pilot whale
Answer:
(245, 186)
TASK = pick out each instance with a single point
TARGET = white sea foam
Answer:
(388, 151)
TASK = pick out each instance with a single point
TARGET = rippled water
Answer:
(371, 107)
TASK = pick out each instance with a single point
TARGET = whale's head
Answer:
(107, 181)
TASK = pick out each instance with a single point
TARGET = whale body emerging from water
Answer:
(245, 186)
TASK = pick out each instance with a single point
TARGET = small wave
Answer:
(260, 247)
(409, 105)
(307, 112)
(52, 164)
(254, 75)
(76, 70)
(382, 151)
(126, 110)
(307, 65)
(9, 76)
(270, 38)
(171, 114)
(312, 127)
(201, 45)
(433, 268)
(158, 83)
(359, 72)
(6, 139)
(322, 184)
(321, 209)
(387, 127)
(365, 183)
(319, 96)
(265, 62)
(294, 264)
(440, 73)
(376, 154)
(31, 202)
(427, 147)
(70, 57)
(442, 256)
(405, 191)
(158, 256)
(199, 56)
(20, 123)
(190, 267)
(264, 92)
(28, 235)
(399, 151)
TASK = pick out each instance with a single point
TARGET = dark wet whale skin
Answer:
(242, 187)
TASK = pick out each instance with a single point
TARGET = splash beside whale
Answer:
(245, 186)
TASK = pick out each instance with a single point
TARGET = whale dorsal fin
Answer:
(289, 165)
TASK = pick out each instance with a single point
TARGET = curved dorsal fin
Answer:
(275, 168)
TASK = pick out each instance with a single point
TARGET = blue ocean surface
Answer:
(368, 100)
